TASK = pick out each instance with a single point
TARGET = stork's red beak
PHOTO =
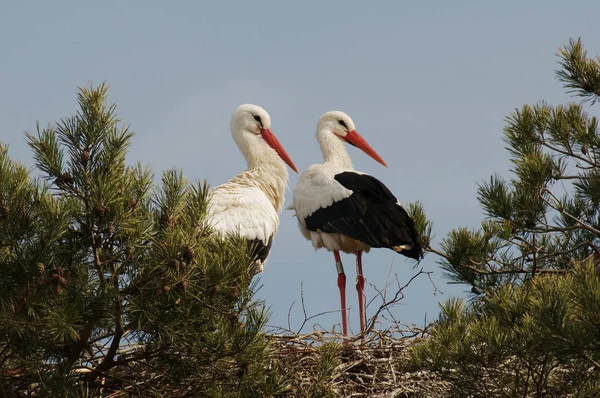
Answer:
(270, 139)
(355, 139)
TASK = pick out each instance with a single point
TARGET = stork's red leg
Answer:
(341, 282)
(360, 288)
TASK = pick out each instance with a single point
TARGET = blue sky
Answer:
(427, 83)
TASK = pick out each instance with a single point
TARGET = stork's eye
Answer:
(257, 118)
(343, 123)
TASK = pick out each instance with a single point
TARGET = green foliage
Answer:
(108, 282)
(540, 340)
(532, 328)
(548, 214)
(580, 74)
(324, 370)
(422, 224)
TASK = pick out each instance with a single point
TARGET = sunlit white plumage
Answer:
(249, 204)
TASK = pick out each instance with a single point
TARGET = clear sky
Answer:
(427, 83)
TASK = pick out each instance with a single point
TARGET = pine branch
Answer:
(580, 74)
(97, 261)
(574, 177)
(570, 153)
(513, 271)
(140, 283)
(108, 360)
(80, 345)
(562, 210)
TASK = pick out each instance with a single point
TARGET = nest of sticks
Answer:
(376, 365)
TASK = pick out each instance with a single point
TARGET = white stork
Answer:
(345, 210)
(249, 204)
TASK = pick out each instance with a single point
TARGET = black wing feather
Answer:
(260, 251)
(371, 215)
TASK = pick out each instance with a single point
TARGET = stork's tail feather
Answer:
(416, 253)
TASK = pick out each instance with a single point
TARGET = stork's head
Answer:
(251, 130)
(340, 125)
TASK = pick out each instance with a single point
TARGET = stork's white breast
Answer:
(243, 210)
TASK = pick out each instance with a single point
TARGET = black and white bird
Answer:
(250, 203)
(341, 209)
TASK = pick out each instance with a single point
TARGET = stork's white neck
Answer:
(266, 170)
(333, 149)
(270, 177)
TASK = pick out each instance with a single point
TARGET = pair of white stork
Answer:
(337, 207)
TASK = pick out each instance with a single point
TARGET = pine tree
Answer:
(110, 283)
(531, 327)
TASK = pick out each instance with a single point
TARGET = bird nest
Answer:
(376, 365)
(320, 363)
